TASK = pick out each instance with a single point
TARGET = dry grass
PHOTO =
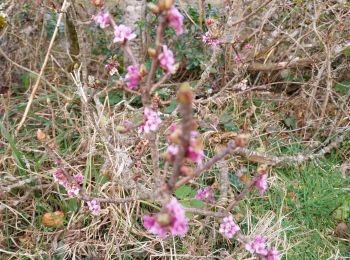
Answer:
(297, 110)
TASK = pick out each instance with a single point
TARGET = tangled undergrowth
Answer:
(269, 77)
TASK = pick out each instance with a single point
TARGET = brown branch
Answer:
(276, 160)
(185, 99)
(305, 62)
(228, 150)
(159, 41)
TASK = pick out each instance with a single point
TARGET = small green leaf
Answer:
(72, 205)
(291, 122)
(17, 154)
(172, 106)
(231, 127)
(343, 88)
(183, 192)
(197, 204)
(114, 99)
(346, 52)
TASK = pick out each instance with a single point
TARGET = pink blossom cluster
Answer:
(102, 19)
(248, 46)
(238, 60)
(123, 34)
(94, 207)
(205, 194)
(175, 20)
(228, 228)
(211, 40)
(167, 60)
(194, 151)
(261, 183)
(112, 67)
(72, 188)
(258, 247)
(151, 121)
(171, 220)
(133, 77)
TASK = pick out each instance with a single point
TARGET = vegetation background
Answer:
(296, 101)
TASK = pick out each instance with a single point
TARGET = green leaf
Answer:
(25, 80)
(291, 122)
(183, 192)
(172, 106)
(114, 98)
(72, 205)
(197, 204)
(346, 52)
(231, 127)
(343, 88)
(17, 154)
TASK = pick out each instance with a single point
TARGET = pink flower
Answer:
(72, 190)
(151, 224)
(195, 152)
(205, 194)
(172, 220)
(60, 177)
(112, 67)
(151, 121)
(172, 150)
(228, 228)
(123, 33)
(261, 184)
(167, 60)
(210, 39)
(273, 254)
(94, 207)
(248, 46)
(238, 60)
(175, 20)
(133, 76)
(79, 178)
(178, 221)
(195, 155)
(102, 19)
(258, 246)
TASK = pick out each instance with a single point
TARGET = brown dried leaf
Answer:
(342, 230)
(54, 219)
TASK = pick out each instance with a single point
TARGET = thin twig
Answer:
(64, 7)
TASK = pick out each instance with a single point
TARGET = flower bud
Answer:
(119, 84)
(165, 5)
(152, 52)
(154, 8)
(242, 140)
(174, 137)
(98, 3)
(163, 219)
(143, 70)
(185, 95)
